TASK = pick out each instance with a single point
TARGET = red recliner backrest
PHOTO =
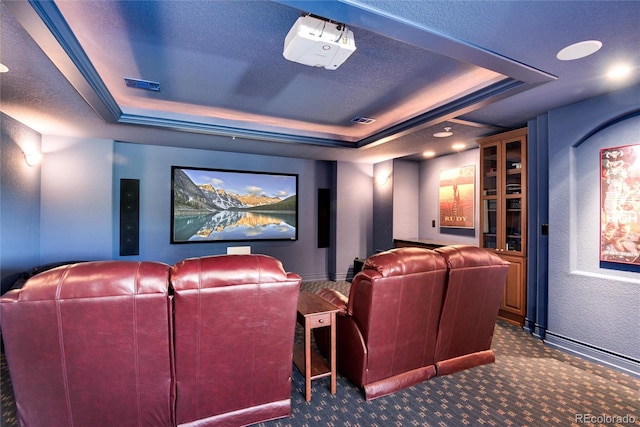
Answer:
(474, 289)
(89, 345)
(235, 319)
(396, 301)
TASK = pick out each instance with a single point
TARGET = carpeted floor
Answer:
(529, 385)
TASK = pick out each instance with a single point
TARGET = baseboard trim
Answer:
(539, 332)
(321, 276)
(313, 277)
(594, 354)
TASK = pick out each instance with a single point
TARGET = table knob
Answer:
(321, 321)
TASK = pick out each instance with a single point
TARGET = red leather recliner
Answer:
(88, 345)
(475, 284)
(235, 318)
(387, 328)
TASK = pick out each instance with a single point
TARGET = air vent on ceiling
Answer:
(363, 120)
(142, 84)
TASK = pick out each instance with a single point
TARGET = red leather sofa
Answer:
(109, 344)
(414, 313)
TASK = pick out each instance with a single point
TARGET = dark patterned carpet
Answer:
(529, 385)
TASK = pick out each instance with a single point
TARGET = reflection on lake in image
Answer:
(234, 225)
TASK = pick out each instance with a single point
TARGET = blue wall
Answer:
(19, 201)
(592, 311)
(430, 195)
(67, 208)
(152, 166)
(76, 199)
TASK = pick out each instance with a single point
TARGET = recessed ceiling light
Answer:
(429, 153)
(447, 132)
(579, 50)
(458, 146)
(4, 68)
(619, 71)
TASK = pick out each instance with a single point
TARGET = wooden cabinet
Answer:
(503, 212)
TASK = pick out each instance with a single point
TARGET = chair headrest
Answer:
(226, 270)
(459, 256)
(401, 261)
(97, 279)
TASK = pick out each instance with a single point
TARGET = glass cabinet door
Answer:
(490, 170)
(513, 224)
(489, 224)
(489, 207)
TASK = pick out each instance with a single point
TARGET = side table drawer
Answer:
(319, 320)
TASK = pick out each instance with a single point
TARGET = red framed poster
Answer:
(457, 196)
(620, 204)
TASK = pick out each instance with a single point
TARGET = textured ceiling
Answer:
(478, 67)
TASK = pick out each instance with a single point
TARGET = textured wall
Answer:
(406, 202)
(354, 229)
(592, 310)
(382, 182)
(19, 200)
(152, 166)
(429, 195)
(77, 199)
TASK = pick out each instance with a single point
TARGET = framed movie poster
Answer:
(457, 196)
(620, 204)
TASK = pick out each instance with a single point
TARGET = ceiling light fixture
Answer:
(4, 68)
(447, 132)
(579, 50)
(459, 146)
(429, 153)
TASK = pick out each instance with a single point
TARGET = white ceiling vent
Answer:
(363, 120)
(142, 84)
(318, 42)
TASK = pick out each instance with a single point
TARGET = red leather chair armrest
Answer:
(335, 298)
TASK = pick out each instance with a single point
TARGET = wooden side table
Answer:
(315, 312)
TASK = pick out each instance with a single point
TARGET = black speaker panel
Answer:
(129, 217)
(324, 217)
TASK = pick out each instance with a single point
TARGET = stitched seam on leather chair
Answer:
(397, 326)
(136, 346)
(198, 355)
(61, 341)
(255, 321)
(482, 303)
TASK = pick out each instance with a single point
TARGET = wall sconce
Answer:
(33, 158)
(382, 179)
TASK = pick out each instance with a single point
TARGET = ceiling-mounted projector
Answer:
(319, 43)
